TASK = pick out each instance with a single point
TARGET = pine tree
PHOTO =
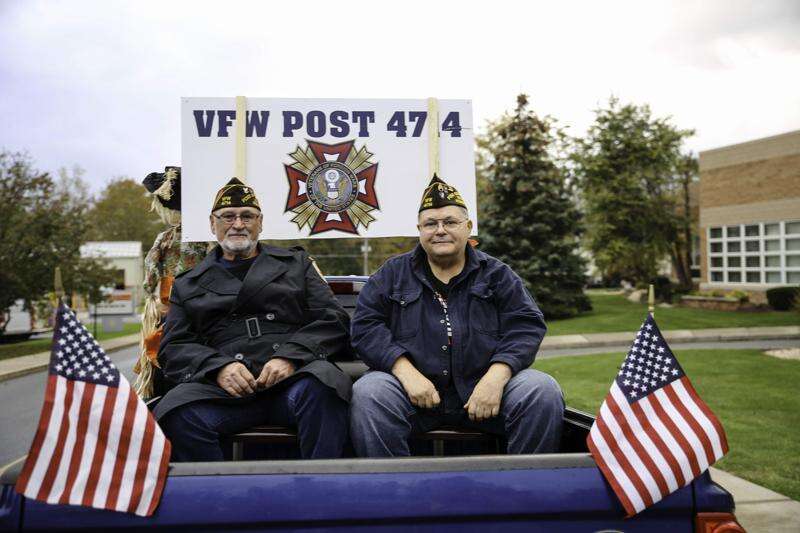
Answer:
(529, 219)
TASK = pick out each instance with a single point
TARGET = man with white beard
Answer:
(246, 342)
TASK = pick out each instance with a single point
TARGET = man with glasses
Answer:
(246, 342)
(449, 333)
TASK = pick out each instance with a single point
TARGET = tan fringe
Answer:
(167, 216)
(144, 366)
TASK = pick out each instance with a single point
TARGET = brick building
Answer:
(749, 215)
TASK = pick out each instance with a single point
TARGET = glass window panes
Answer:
(751, 231)
(716, 262)
(773, 277)
(792, 245)
(716, 233)
(792, 228)
(752, 246)
(793, 260)
(753, 261)
(716, 247)
(734, 246)
(772, 261)
(734, 262)
(772, 229)
(716, 276)
(793, 277)
(732, 231)
(734, 277)
(772, 246)
(754, 277)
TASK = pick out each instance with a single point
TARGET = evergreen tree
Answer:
(529, 219)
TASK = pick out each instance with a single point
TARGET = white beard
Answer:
(238, 247)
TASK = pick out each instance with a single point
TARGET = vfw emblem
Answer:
(331, 187)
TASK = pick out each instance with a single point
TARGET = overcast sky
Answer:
(98, 83)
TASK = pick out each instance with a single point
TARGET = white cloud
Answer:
(98, 83)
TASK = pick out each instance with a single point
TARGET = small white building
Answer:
(127, 259)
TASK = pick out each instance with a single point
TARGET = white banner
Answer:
(324, 168)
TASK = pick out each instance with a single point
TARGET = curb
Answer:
(676, 336)
(15, 367)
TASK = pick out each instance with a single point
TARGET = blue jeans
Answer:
(318, 413)
(382, 417)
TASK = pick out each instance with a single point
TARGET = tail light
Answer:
(717, 523)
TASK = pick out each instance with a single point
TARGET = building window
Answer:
(768, 252)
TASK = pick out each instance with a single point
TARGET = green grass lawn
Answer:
(612, 313)
(42, 345)
(756, 397)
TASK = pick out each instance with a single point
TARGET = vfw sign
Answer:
(324, 168)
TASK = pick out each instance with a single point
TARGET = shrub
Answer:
(742, 296)
(783, 298)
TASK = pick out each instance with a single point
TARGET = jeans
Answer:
(318, 413)
(382, 417)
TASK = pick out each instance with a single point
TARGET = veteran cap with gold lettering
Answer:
(439, 194)
(235, 194)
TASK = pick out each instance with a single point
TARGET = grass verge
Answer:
(755, 397)
(43, 345)
(613, 313)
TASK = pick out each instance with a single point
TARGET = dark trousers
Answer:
(319, 415)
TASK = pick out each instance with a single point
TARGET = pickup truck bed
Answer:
(554, 492)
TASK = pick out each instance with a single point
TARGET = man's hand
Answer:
(275, 370)
(236, 380)
(484, 402)
(420, 390)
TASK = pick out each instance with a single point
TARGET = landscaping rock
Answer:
(785, 353)
(637, 296)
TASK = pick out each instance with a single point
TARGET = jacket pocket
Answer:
(483, 314)
(406, 313)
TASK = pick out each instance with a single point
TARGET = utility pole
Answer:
(365, 250)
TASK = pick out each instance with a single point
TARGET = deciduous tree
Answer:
(630, 169)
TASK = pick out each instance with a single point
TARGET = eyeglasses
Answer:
(449, 224)
(230, 218)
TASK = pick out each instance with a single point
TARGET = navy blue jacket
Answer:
(493, 317)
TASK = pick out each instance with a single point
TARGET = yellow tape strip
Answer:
(240, 168)
(433, 136)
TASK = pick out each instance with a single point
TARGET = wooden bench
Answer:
(282, 435)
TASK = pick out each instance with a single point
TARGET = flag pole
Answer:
(58, 287)
(240, 164)
(651, 301)
(433, 137)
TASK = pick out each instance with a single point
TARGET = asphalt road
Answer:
(21, 398)
(21, 402)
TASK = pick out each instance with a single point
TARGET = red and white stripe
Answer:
(96, 446)
(652, 447)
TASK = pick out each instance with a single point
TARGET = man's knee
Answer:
(532, 387)
(378, 392)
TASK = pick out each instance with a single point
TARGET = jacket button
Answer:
(402, 302)
(235, 316)
(441, 321)
(276, 346)
(445, 372)
(187, 377)
(444, 347)
(270, 316)
(238, 357)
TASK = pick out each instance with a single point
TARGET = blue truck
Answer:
(439, 490)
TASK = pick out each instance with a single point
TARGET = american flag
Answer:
(653, 434)
(97, 444)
